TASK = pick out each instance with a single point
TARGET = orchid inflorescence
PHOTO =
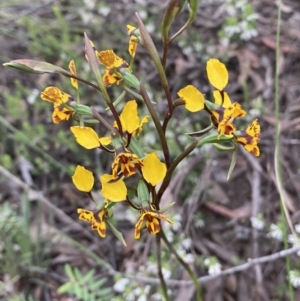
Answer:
(150, 173)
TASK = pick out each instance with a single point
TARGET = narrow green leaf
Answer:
(69, 272)
(164, 209)
(118, 234)
(88, 277)
(65, 288)
(143, 192)
(135, 147)
(232, 164)
(78, 275)
(97, 284)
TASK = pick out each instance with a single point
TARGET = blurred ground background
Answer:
(42, 244)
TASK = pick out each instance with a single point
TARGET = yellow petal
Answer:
(61, 113)
(252, 149)
(105, 140)
(107, 58)
(86, 136)
(217, 74)
(153, 170)
(253, 130)
(138, 226)
(132, 46)
(83, 179)
(218, 99)
(129, 117)
(72, 69)
(114, 191)
(55, 95)
(130, 29)
(109, 77)
(86, 215)
(193, 98)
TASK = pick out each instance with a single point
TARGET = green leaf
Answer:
(118, 234)
(65, 288)
(164, 209)
(97, 284)
(69, 272)
(143, 192)
(37, 67)
(78, 275)
(135, 147)
(88, 276)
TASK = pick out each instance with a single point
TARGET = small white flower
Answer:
(104, 11)
(257, 222)
(166, 273)
(142, 298)
(275, 232)
(186, 243)
(177, 222)
(214, 267)
(157, 297)
(33, 96)
(294, 277)
(189, 258)
(121, 284)
(295, 241)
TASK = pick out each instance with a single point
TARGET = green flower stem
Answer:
(193, 6)
(156, 121)
(159, 267)
(184, 265)
(103, 121)
(172, 167)
(118, 100)
(131, 92)
(149, 45)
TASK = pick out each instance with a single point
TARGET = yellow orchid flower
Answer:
(113, 64)
(126, 161)
(193, 98)
(97, 220)
(250, 137)
(153, 169)
(88, 138)
(221, 118)
(133, 41)
(152, 222)
(59, 99)
(131, 122)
